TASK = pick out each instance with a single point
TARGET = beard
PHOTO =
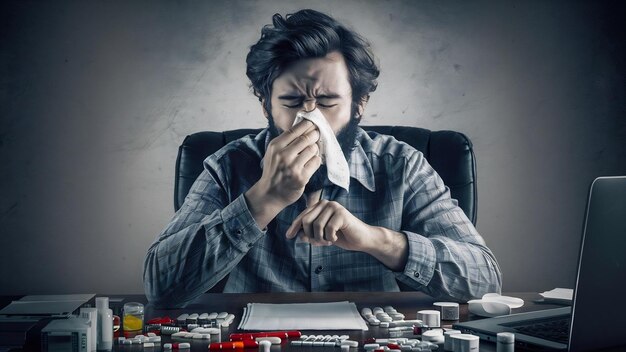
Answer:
(346, 138)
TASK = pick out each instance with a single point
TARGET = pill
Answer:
(343, 337)
(127, 342)
(155, 339)
(371, 346)
(222, 315)
(381, 341)
(120, 339)
(345, 348)
(393, 346)
(406, 348)
(182, 345)
(373, 321)
(296, 342)
(212, 316)
(148, 344)
(351, 343)
(167, 346)
(182, 319)
(376, 310)
(385, 319)
(264, 346)
(272, 339)
(388, 308)
(366, 311)
(429, 317)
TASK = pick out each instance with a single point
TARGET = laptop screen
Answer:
(601, 283)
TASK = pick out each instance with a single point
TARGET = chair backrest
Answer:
(450, 154)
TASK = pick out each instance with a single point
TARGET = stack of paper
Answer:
(558, 295)
(302, 316)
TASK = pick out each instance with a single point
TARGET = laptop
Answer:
(594, 321)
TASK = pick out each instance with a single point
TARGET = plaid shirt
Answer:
(392, 185)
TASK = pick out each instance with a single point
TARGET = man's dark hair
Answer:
(309, 34)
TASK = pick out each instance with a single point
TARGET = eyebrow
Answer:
(323, 96)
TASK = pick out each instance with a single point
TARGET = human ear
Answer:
(362, 104)
(265, 113)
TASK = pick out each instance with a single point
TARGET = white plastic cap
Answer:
(102, 302)
(506, 337)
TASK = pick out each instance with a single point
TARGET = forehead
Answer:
(313, 76)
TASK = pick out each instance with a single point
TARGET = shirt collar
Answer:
(359, 164)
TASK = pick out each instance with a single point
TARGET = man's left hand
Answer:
(328, 223)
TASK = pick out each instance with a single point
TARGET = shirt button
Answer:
(319, 269)
(239, 232)
(416, 274)
(250, 245)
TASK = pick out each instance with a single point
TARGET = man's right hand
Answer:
(289, 162)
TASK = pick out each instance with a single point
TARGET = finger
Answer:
(311, 166)
(306, 155)
(303, 141)
(320, 224)
(333, 226)
(296, 225)
(308, 220)
(292, 133)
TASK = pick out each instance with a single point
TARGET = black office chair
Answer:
(450, 154)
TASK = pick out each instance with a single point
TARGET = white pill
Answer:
(371, 346)
(345, 348)
(373, 321)
(429, 317)
(222, 315)
(148, 344)
(179, 334)
(405, 323)
(127, 342)
(384, 324)
(351, 343)
(397, 316)
(272, 339)
(386, 319)
(264, 346)
(377, 310)
(155, 339)
(405, 347)
(343, 337)
(184, 345)
(120, 339)
(434, 336)
(329, 343)
(167, 346)
(382, 341)
(366, 311)
(388, 308)
(203, 316)
(212, 316)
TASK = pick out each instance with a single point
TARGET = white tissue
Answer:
(330, 150)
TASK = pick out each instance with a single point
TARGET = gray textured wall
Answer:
(96, 97)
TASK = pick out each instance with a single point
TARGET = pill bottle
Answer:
(132, 321)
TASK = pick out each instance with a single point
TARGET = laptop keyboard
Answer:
(556, 329)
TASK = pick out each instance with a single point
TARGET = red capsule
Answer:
(393, 346)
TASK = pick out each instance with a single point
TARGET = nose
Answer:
(308, 105)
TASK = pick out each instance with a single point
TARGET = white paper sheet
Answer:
(558, 295)
(302, 316)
